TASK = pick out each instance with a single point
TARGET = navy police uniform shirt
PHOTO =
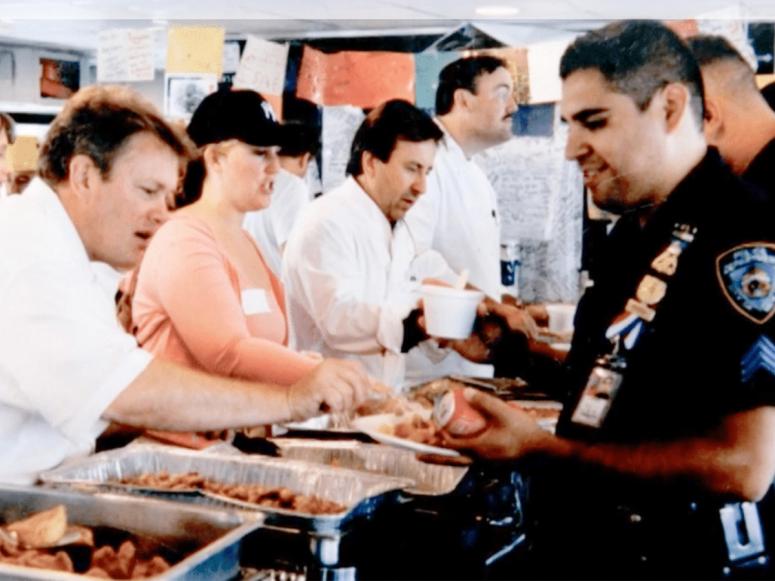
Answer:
(706, 353)
(760, 171)
(709, 350)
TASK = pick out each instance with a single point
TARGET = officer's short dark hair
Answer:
(637, 58)
(8, 126)
(462, 74)
(387, 124)
(97, 121)
(300, 138)
(710, 49)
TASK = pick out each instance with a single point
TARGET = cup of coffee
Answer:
(449, 312)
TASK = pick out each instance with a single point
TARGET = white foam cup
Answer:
(560, 317)
(449, 313)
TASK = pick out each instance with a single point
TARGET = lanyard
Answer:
(607, 375)
(629, 325)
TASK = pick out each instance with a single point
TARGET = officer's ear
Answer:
(714, 121)
(676, 100)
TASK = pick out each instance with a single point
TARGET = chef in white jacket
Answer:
(350, 267)
(458, 216)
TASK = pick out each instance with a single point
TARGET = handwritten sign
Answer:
(125, 55)
(339, 127)
(195, 49)
(262, 67)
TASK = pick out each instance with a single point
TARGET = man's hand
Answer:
(333, 386)
(510, 433)
(517, 319)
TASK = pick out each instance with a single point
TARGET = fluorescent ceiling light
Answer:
(497, 10)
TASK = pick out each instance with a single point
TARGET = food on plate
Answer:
(270, 496)
(414, 428)
(30, 542)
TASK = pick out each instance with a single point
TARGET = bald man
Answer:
(738, 120)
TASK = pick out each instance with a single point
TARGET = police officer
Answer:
(669, 425)
(738, 119)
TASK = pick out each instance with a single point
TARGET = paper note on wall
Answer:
(362, 79)
(262, 67)
(339, 127)
(195, 49)
(543, 64)
(125, 54)
(22, 154)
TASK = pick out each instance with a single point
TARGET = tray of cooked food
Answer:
(427, 479)
(58, 534)
(291, 493)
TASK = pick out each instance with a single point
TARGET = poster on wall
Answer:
(125, 55)
(59, 78)
(184, 92)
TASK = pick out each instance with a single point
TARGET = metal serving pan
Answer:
(426, 479)
(210, 538)
(359, 492)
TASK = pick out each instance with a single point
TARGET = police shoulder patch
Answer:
(747, 277)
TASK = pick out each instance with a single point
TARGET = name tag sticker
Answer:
(254, 301)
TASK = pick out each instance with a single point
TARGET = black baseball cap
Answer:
(244, 115)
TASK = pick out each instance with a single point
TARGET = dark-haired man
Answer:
(348, 264)
(671, 412)
(459, 215)
(738, 119)
(110, 168)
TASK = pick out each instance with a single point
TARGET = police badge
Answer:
(747, 277)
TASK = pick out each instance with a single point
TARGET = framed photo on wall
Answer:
(59, 78)
(184, 92)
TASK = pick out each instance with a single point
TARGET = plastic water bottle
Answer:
(510, 263)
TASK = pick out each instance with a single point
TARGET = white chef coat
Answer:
(272, 226)
(63, 356)
(348, 279)
(458, 217)
(351, 280)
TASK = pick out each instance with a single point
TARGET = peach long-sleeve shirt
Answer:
(191, 306)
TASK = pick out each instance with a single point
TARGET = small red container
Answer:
(455, 415)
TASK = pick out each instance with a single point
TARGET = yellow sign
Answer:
(22, 154)
(195, 49)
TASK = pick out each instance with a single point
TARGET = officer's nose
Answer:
(575, 146)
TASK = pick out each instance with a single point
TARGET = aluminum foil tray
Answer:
(426, 479)
(210, 539)
(361, 493)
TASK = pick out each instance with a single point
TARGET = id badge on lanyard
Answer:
(606, 377)
(599, 393)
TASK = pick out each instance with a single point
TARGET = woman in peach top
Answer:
(204, 295)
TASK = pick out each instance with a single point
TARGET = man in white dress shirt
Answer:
(458, 217)
(110, 167)
(350, 267)
(272, 226)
